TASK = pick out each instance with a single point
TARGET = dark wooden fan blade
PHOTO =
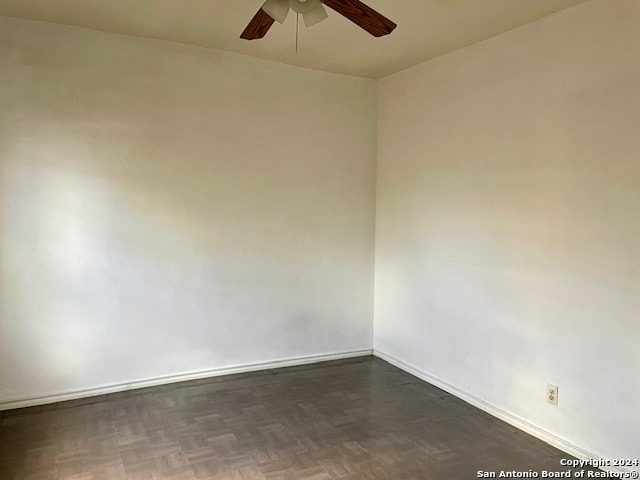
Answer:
(363, 16)
(258, 26)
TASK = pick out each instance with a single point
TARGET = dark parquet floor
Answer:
(354, 419)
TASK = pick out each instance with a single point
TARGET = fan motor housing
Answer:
(304, 6)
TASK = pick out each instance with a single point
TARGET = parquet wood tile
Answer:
(356, 419)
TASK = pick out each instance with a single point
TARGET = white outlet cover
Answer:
(552, 394)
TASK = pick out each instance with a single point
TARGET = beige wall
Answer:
(508, 223)
(167, 209)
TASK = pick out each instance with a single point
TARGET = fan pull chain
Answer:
(297, 29)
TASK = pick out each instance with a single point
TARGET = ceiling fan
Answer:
(313, 12)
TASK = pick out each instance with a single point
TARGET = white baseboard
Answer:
(514, 420)
(182, 377)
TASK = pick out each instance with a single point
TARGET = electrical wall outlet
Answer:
(552, 394)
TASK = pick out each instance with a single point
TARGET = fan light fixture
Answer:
(312, 10)
(315, 15)
(277, 9)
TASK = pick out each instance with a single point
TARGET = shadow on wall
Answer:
(104, 257)
(76, 250)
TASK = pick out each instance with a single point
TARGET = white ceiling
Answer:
(426, 28)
